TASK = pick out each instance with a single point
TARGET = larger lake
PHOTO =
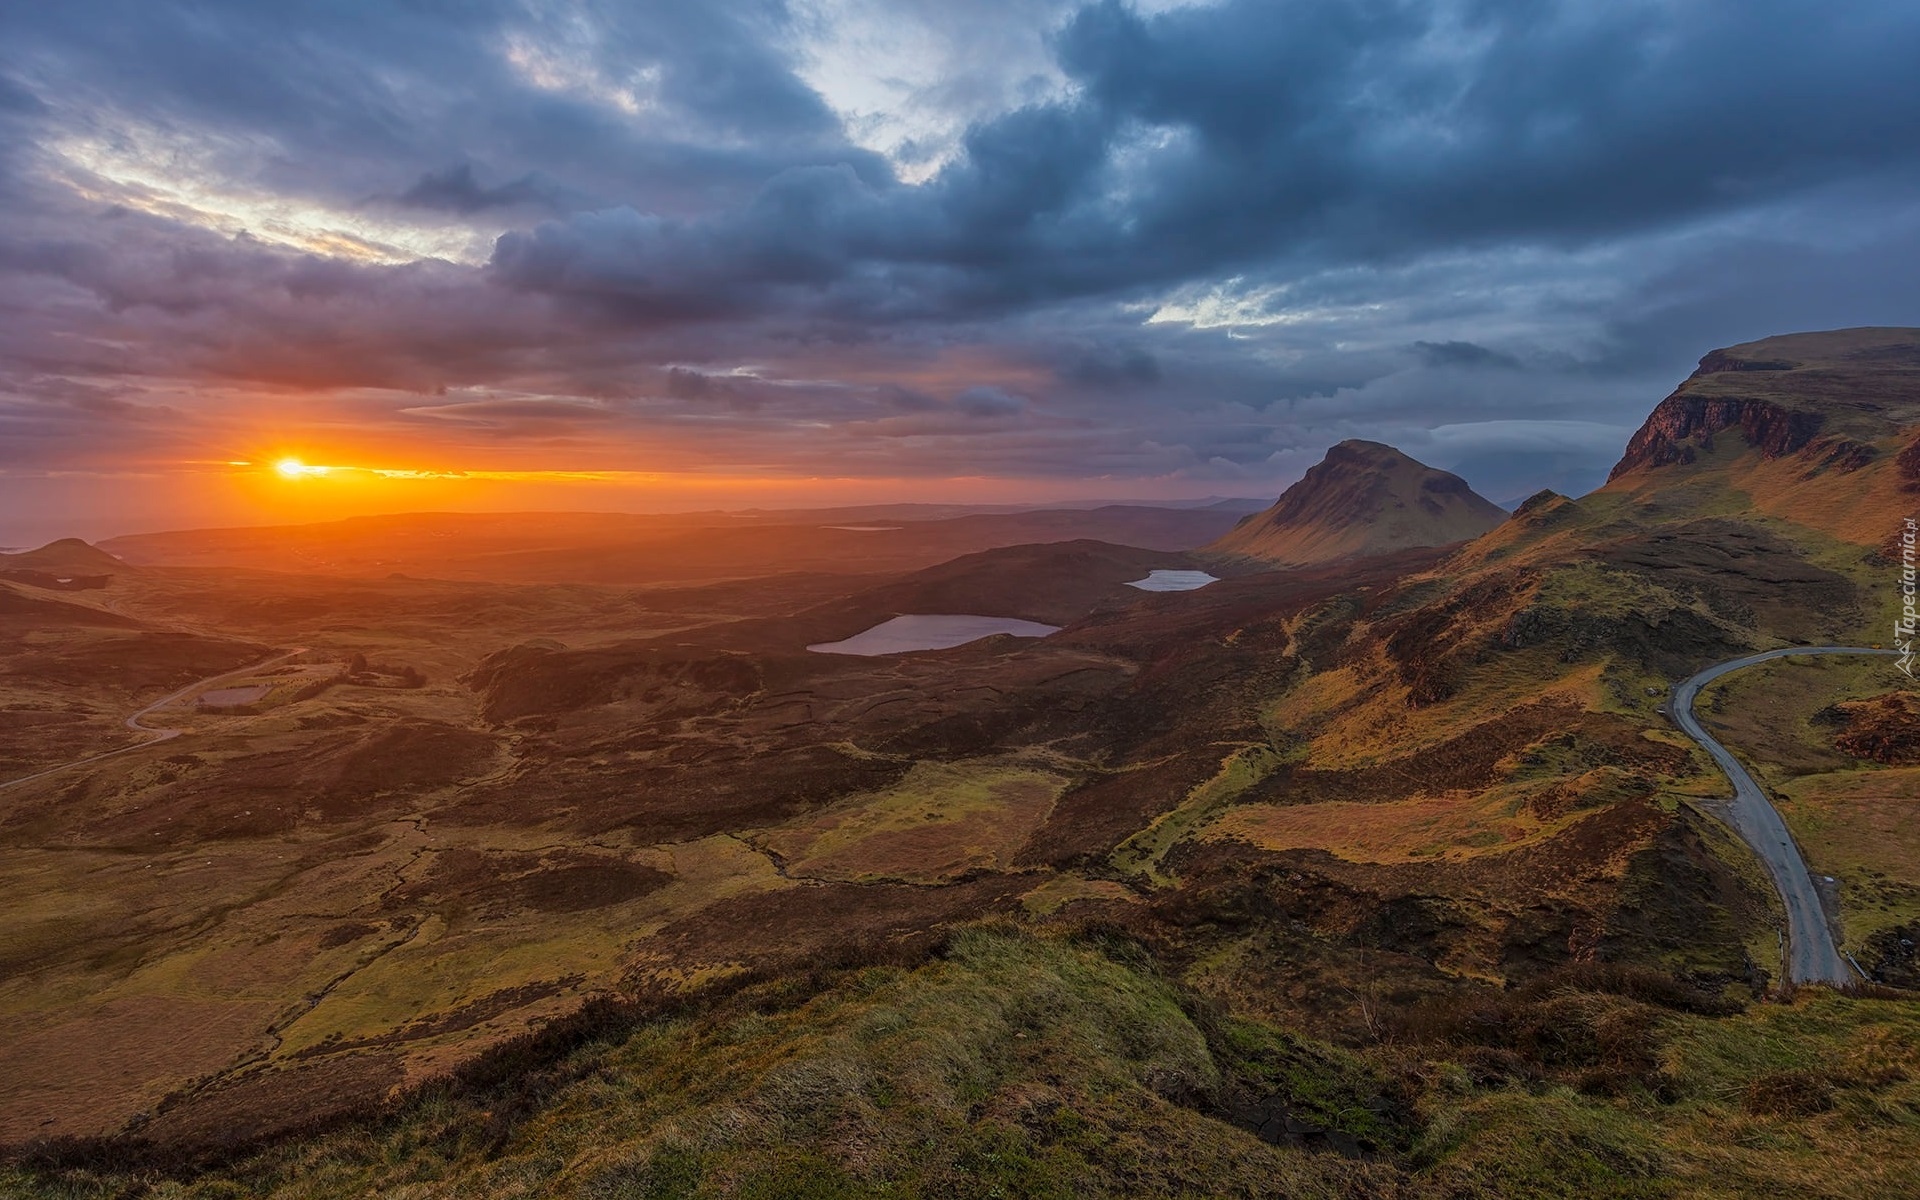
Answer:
(930, 632)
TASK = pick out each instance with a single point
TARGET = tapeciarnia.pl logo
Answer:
(1905, 623)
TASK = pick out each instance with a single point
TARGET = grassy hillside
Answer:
(1061, 1064)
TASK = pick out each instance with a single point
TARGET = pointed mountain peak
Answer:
(1363, 498)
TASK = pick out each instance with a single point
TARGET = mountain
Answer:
(1832, 393)
(1820, 430)
(1363, 498)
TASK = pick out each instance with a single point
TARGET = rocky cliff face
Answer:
(1363, 498)
(1669, 434)
(1831, 398)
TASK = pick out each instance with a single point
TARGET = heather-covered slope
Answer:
(1362, 499)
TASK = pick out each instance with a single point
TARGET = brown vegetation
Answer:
(1882, 729)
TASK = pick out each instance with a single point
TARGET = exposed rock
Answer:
(1680, 419)
(1842, 454)
(1826, 396)
(1718, 361)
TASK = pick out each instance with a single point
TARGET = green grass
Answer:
(1142, 853)
(940, 820)
(1065, 1065)
(1017, 1066)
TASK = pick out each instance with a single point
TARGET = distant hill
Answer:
(628, 550)
(1363, 498)
(67, 557)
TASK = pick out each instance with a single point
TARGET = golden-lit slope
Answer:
(1362, 499)
(1820, 430)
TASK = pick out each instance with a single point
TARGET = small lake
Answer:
(1172, 581)
(930, 632)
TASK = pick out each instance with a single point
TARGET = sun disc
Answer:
(293, 468)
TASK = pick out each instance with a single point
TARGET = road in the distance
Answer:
(158, 735)
(1812, 955)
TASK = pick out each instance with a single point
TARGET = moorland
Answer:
(518, 855)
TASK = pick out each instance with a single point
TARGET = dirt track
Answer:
(159, 735)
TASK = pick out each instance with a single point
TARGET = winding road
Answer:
(1812, 954)
(158, 735)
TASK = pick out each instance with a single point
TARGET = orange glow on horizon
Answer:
(293, 467)
(242, 486)
(271, 482)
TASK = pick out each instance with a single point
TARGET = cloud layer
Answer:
(1155, 250)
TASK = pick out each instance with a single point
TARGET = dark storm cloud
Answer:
(1113, 369)
(456, 190)
(1490, 231)
(1462, 354)
(361, 97)
(1255, 137)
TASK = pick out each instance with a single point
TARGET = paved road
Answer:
(134, 722)
(1812, 955)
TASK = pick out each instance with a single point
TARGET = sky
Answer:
(656, 255)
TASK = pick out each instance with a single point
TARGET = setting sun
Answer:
(293, 468)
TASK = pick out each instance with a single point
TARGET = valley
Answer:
(1346, 842)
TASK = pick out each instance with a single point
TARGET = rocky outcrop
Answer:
(1719, 361)
(1669, 434)
(1832, 399)
(1842, 454)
